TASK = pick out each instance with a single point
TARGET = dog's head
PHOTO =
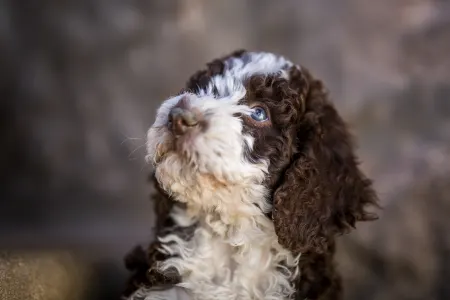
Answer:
(253, 132)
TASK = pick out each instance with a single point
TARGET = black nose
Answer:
(181, 120)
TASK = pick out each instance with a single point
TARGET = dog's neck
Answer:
(235, 251)
(239, 228)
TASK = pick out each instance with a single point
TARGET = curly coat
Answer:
(317, 189)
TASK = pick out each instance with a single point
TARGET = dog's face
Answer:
(203, 141)
(254, 133)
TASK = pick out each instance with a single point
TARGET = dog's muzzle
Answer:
(182, 120)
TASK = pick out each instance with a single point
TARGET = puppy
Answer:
(255, 176)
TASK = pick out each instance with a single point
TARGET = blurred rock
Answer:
(43, 276)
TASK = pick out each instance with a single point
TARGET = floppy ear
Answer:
(323, 192)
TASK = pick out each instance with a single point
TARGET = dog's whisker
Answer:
(130, 139)
(143, 167)
(136, 149)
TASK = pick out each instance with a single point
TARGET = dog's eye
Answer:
(259, 114)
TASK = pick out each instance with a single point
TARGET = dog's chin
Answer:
(188, 183)
(173, 150)
(182, 146)
(160, 154)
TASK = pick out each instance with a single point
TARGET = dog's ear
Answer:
(323, 192)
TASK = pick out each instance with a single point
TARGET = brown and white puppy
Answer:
(256, 175)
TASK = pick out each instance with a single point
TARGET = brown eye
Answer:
(259, 114)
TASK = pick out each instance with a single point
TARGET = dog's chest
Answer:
(240, 267)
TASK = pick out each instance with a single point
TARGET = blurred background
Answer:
(80, 81)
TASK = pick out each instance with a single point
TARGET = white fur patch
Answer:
(175, 293)
(238, 261)
(234, 252)
(238, 69)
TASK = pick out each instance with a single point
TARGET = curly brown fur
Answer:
(318, 191)
(323, 192)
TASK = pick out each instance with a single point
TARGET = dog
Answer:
(255, 176)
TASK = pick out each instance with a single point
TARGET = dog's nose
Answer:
(181, 120)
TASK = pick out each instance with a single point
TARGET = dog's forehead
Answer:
(236, 70)
(255, 63)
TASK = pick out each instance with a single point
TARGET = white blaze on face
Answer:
(207, 165)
